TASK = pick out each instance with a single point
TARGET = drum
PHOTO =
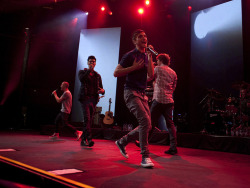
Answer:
(230, 108)
(214, 123)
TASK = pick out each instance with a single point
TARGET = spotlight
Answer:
(189, 8)
(147, 2)
(87, 13)
(140, 10)
(110, 13)
(102, 8)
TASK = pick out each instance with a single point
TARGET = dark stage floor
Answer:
(104, 166)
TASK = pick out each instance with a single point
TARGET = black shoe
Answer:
(84, 143)
(171, 151)
(122, 149)
(137, 143)
(91, 143)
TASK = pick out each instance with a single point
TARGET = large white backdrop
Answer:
(104, 44)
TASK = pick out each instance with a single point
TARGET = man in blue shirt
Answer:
(137, 66)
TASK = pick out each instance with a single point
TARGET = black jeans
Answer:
(62, 119)
(88, 108)
(157, 109)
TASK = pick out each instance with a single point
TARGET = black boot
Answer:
(84, 142)
(91, 143)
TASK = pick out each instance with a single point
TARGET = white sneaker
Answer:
(78, 135)
(146, 162)
(54, 136)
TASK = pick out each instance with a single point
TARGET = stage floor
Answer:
(104, 166)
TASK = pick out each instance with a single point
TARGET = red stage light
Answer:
(189, 8)
(102, 8)
(140, 10)
(110, 13)
(147, 2)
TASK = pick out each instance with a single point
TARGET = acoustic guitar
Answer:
(108, 119)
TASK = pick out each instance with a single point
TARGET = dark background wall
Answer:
(54, 44)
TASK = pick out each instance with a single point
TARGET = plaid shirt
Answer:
(165, 84)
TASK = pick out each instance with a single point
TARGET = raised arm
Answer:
(82, 74)
(59, 100)
(150, 67)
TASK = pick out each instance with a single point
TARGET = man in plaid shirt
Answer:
(163, 102)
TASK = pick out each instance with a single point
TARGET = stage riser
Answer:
(231, 144)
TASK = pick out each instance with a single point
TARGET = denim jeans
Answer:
(137, 103)
(62, 119)
(157, 109)
(88, 108)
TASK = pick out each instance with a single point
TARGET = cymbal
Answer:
(216, 95)
(240, 85)
(213, 91)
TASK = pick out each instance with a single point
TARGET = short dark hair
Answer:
(91, 57)
(136, 33)
(165, 58)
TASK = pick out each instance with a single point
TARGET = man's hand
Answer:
(54, 92)
(138, 65)
(148, 51)
(101, 91)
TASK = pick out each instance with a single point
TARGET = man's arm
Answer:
(100, 89)
(175, 83)
(82, 74)
(59, 100)
(121, 71)
(150, 67)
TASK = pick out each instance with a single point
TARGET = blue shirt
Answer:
(135, 80)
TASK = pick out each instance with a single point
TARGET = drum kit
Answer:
(233, 116)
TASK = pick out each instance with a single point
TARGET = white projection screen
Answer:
(104, 44)
(217, 46)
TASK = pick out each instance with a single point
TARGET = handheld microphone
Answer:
(152, 50)
(58, 89)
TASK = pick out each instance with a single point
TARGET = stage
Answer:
(104, 166)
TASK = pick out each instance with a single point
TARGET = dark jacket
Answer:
(83, 76)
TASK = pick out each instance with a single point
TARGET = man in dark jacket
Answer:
(91, 87)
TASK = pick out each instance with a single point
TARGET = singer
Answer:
(137, 65)
(63, 116)
(91, 87)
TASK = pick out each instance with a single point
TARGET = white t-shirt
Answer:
(66, 102)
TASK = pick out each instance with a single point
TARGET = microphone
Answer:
(58, 89)
(152, 50)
